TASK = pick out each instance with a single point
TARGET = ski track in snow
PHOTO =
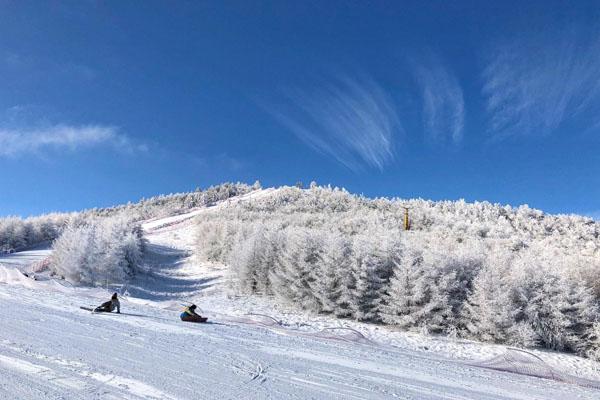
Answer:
(51, 349)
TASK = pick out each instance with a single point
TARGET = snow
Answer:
(24, 260)
(148, 353)
(160, 223)
(49, 348)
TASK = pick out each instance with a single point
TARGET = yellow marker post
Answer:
(406, 219)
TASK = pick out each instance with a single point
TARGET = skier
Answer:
(189, 315)
(110, 305)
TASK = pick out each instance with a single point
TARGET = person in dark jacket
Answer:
(110, 305)
(189, 315)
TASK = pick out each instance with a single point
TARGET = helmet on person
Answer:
(193, 307)
(114, 296)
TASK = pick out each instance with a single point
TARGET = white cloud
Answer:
(535, 84)
(443, 102)
(14, 142)
(352, 120)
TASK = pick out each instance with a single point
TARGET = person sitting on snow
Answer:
(110, 305)
(189, 315)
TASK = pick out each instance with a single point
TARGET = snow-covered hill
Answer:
(51, 349)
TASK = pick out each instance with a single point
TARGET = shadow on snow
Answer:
(160, 278)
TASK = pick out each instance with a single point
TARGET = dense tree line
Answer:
(173, 204)
(18, 233)
(97, 246)
(482, 271)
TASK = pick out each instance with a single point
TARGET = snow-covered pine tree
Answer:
(581, 311)
(592, 341)
(293, 277)
(344, 307)
(558, 311)
(250, 260)
(417, 296)
(271, 247)
(332, 282)
(310, 265)
(489, 312)
(457, 273)
(373, 271)
(403, 298)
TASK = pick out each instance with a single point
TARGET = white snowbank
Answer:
(12, 276)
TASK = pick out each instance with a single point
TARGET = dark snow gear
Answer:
(189, 315)
(110, 305)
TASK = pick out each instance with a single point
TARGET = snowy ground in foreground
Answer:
(51, 349)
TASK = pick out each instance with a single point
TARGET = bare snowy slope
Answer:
(51, 349)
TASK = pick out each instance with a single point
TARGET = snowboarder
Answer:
(189, 315)
(110, 305)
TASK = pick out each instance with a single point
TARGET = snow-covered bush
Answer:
(98, 251)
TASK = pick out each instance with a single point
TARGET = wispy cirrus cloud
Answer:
(352, 120)
(34, 68)
(443, 101)
(532, 85)
(16, 142)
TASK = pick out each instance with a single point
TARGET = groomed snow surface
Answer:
(253, 349)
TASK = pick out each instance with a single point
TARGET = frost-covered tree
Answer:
(211, 242)
(373, 271)
(336, 276)
(18, 233)
(488, 314)
(295, 276)
(417, 295)
(458, 272)
(71, 256)
(582, 313)
(247, 259)
(99, 251)
(559, 311)
(592, 341)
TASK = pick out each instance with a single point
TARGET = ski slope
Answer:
(51, 349)
(25, 260)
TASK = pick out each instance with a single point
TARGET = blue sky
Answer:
(106, 102)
